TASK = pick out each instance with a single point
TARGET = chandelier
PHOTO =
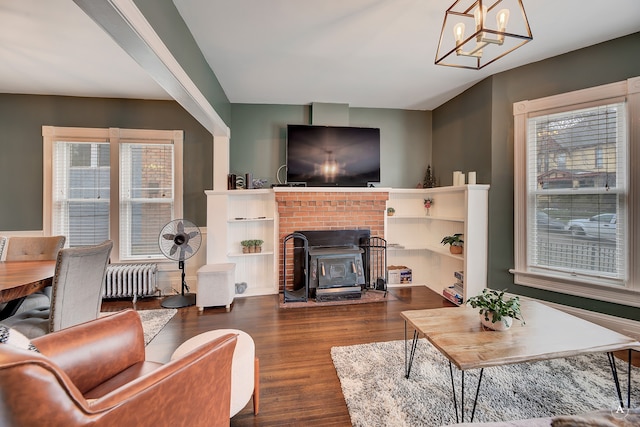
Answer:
(476, 33)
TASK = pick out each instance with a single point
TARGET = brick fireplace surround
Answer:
(324, 209)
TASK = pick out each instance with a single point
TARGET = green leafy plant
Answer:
(454, 240)
(246, 242)
(493, 301)
(390, 211)
(257, 242)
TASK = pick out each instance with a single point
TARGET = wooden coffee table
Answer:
(548, 334)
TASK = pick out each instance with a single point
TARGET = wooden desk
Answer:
(548, 334)
(21, 278)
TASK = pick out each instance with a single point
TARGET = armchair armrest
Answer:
(92, 352)
(197, 383)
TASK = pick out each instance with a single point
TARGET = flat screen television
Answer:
(326, 156)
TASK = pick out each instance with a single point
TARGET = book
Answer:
(450, 294)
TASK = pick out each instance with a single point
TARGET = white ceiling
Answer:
(365, 53)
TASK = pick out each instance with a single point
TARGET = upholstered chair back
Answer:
(78, 285)
(34, 248)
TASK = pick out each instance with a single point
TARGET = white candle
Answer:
(472, 178)
(461, 179)
(456, 177)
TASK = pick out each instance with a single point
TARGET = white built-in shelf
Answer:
(457, 209)
(236, 215)
(443, 251)
(245, 220)
(250, 254)
(426, 218)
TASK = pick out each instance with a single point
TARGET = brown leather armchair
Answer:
(95, 374)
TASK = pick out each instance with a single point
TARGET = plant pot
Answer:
(258, 249)
(245, 249)
(456, 250)
(252, 249)
(501, 325)
(390, 213)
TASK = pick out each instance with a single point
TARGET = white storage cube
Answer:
(216, 285)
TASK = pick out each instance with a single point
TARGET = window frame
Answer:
(113, 136)
(629, 292)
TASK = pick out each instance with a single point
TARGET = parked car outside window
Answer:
(602, 226)
(544, 221)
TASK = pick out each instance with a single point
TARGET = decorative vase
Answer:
(501, 325)
(456, 250)
(427, 209)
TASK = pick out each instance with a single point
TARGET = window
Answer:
(117, 184)
(573, 218)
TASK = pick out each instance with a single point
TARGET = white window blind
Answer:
(576, 185)
(81, 192)
(146, 197)
(118, 184)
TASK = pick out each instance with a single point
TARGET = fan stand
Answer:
(182, 300)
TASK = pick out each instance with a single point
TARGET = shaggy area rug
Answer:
(153, 321)
(367, 297)
(378, 394)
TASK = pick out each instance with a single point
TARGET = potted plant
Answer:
(390, 211)
(455, 241)
(246, 245)
(496, 312)
(257, 244)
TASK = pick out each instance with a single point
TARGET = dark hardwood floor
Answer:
(298, 383)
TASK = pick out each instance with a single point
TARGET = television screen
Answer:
(333, 155)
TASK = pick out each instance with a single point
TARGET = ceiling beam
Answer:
(124, 22)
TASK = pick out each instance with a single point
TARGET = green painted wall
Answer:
(596, 65)
(462, 129)
(258, 140)
(21, 121)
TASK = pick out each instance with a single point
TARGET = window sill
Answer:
(617, 294)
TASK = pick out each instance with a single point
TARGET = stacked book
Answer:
(454, 292)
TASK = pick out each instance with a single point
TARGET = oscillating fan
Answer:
(179, 240)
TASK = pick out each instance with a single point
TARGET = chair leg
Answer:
(256, 386)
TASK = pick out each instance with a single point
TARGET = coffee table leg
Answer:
(408, 360)
(460, 418)
(616, 380)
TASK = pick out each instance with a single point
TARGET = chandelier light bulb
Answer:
(502, 18)
(458, 33)
(480, 17)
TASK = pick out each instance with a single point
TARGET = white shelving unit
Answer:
(413, 237)
(236, 215)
